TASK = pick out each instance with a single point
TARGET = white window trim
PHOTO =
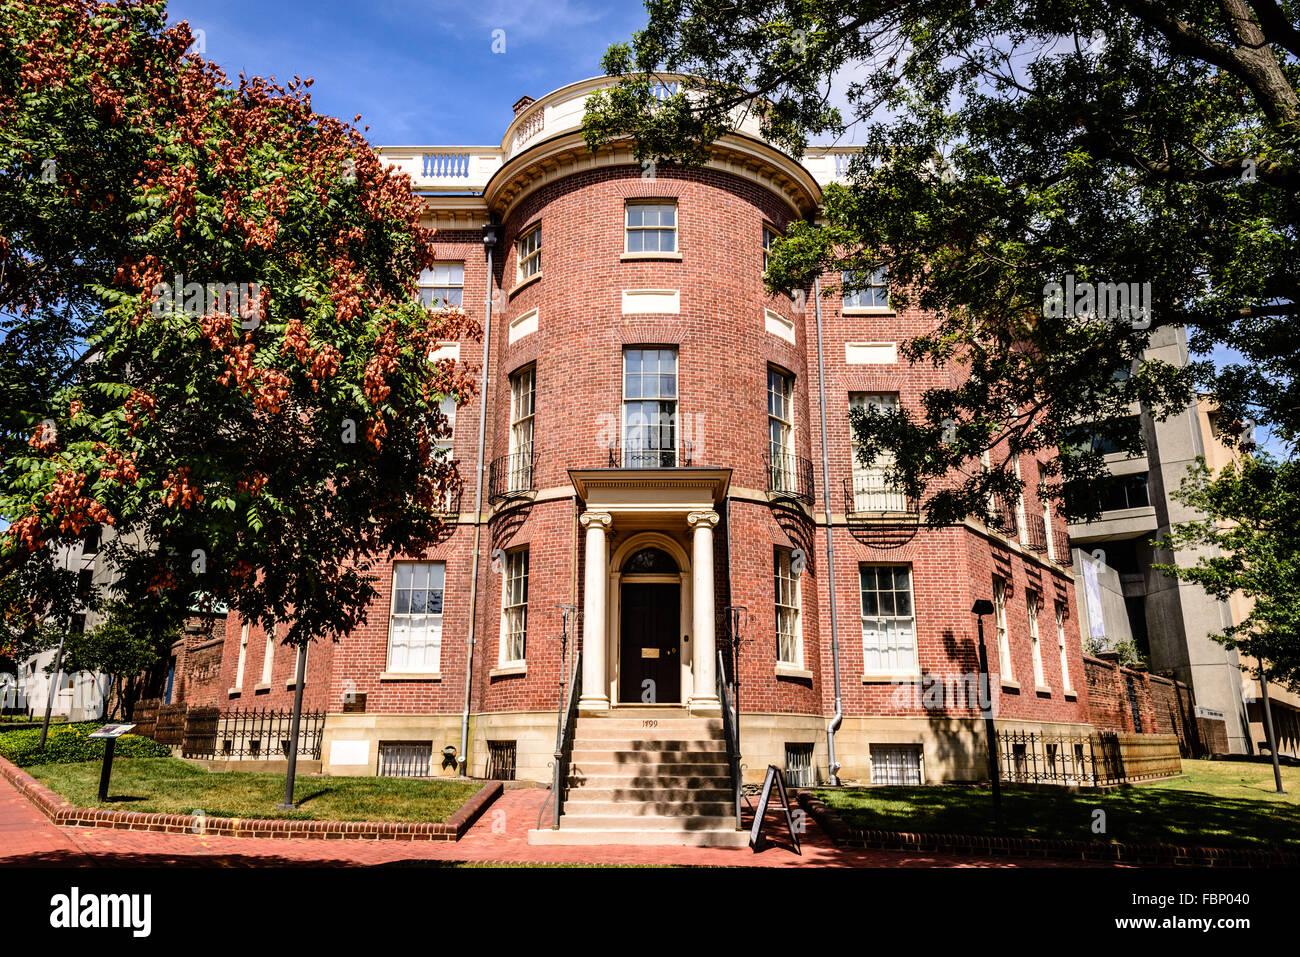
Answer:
(430, 285)
(407, 671)
(1033, 607)
(1067, 685)
(518, 421)
(243, 657)
(1006, 671)
(675, 252)
(889, 496)
(268, 656)
(788, 445)
(796, 596)
(913, 669)
(678, 446)
(522, 259)
(503, 660)
(859, 310)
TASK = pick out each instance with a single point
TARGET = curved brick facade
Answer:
(725, 343)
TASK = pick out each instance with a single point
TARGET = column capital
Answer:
(603, 519)
(707, 519)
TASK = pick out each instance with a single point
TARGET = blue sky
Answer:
(418, 71)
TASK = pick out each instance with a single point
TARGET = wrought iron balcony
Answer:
(511, 476)
(1035, 537)
(789, 476)
(1061, 545)
(869, 495)
(638, 457)
(1003, 515)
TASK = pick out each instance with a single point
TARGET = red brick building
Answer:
(653, 457)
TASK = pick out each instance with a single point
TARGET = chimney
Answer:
(523, 103)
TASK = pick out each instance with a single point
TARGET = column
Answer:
(595, 686)
(704, 692)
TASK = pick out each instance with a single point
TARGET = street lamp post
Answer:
(288, 804)
(981, 608)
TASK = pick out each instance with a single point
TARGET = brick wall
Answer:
(1165, 706)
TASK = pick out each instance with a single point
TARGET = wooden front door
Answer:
(649, 649)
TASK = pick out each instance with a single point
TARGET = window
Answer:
(1060, 644)
(523, 406)
(442, 285)
(789, 642)
(1000, 624)
(873, 293)
(1033, 604)
(514, 608)
(895, 764)
(769, 236)
(1124, 491)
(1047, 511)
(652, 227)
(405, 759)
(888, 623)
(780, 428)
(1023, 525)
(529, 253)
(268, 656)
(415, 627)
(243, 655)
(872, 491)
(799, 765)
(444, 444)
(649, 408)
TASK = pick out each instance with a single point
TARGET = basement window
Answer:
(799, 765)
(405, 759)
(501, 761)
(896, 764)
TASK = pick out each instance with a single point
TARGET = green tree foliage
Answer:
(212, 343)
(1010, 145)
(1248, 544)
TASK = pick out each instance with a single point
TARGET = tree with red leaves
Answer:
(213, 348)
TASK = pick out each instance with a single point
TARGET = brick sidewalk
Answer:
(28, 839)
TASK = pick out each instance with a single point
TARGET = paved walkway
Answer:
(28, 839)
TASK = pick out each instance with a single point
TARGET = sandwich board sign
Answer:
(777, 777)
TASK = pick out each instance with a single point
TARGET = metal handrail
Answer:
(511, 476)
(729, 732)
(565, 725)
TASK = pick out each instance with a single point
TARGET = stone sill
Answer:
(1043, 689)
(635, 257)
(506, 670)
(890, 677)
(262, 688)
(410, 676)
(1009, 685)
(234, 692)
(1070, 695)
(867, 311)
(525, 282)
(788, 671)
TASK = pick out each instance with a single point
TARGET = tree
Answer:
(212, 340)
(124, 647)
(1140, 155)
(1250, 537)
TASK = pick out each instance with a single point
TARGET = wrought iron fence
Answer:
(639, 457)
(790, 476)
(250, 734)
(1031, 757)
(511, 476)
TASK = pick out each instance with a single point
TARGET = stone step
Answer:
(687, 727)
(646, 822)
(661, 776)
(657, 796)
(721, 836)
(649, 737)
(633, 760)
(621, 742)
(649, 810)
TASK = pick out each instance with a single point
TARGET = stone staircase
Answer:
(647, 776)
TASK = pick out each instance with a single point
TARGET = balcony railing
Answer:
(871, 494)
(1003, 515)
(1035, 537)
(789, 476)
(511, 476)
(637, 457)
(1061, 546)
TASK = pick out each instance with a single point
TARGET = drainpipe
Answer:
(832, 765)
(489, 241)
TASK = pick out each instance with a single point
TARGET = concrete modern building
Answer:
(1123, 596)
(668, 484)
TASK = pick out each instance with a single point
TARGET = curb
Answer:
(63, 813)
(1163, 855)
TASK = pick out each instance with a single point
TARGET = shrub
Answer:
(71, 743)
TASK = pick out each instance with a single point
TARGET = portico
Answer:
(648, 625)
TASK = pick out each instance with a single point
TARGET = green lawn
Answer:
(171, 786)
(1218, 804)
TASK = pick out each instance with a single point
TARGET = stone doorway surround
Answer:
(640, 508)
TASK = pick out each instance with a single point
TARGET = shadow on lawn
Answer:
(1135, 815)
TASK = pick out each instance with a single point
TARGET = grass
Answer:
(1217, 804)
(172, 786)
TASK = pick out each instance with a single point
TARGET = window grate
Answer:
(405, 759)
(501, 761)
(895, 764)
(799, 765)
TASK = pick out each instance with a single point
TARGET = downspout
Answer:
(489, 240)
(832, 766)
